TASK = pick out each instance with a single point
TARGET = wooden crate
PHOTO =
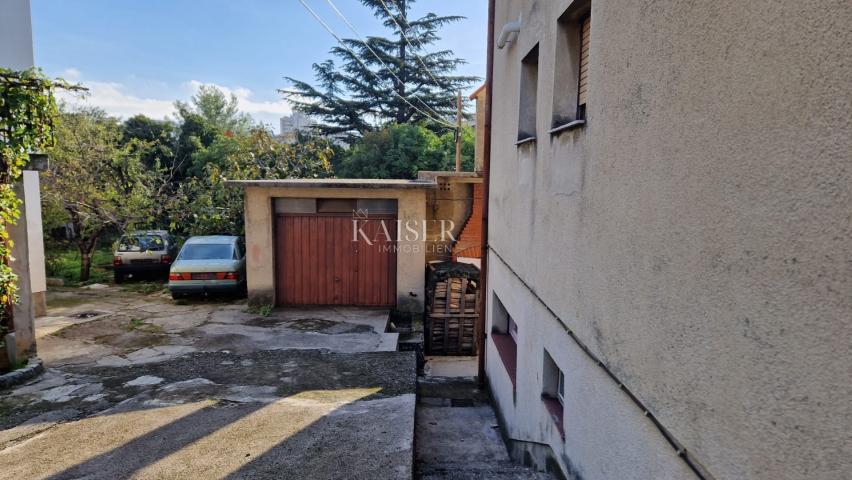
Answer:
(451, 314)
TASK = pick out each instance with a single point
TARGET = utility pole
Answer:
(458, 131)
(401, 113)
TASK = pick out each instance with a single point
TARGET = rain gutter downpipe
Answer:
(486, 175)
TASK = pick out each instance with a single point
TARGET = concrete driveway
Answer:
(138, 386)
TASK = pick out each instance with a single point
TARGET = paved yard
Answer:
(138, 386)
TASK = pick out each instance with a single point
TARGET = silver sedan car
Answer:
(209, 265)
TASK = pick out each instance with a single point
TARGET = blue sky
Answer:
(139, 56)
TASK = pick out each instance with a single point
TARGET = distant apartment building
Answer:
(670, 238)
(291, 125)
(295, 122)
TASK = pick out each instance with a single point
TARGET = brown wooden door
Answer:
(321, 261)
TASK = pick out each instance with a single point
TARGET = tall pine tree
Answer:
(359, 94)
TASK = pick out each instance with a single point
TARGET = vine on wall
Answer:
(27, 113)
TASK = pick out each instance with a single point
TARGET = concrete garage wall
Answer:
(260, 239)
(695, 234)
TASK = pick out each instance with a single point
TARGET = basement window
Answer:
(571, 81)
(528, 97)
(504, 334)
(553, 392)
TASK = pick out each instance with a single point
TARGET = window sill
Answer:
(524, 141)
(508, 351)
(568, 126)
(555, 409)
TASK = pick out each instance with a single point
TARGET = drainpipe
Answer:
(486, 174)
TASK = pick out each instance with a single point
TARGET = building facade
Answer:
(294, 123)
(16, 53)
(670, 239)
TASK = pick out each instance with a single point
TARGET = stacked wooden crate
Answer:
(452, 309)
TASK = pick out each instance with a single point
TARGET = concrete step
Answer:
(457, 436)
(479, 471)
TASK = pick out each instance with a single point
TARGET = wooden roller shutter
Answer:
(584, 61)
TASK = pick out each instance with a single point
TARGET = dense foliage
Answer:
(357, 94)
(27, 112)
(205, 205)
(400, 151)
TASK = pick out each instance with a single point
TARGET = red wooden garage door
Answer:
(318, 263)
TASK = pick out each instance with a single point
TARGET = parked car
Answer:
(211, 264)
(143, 252)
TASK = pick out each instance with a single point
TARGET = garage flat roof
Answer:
(335, 183)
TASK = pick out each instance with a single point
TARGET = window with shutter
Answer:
(582, 94)
(571, 67)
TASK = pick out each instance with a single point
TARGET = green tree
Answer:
(209, 116)
(98, 180)
(400, 151)
(206, 205)
(350, 98)
(157, 135)
(194, 135)
(217, 109)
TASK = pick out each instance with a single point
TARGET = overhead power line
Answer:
(358, 59)
(378, 57)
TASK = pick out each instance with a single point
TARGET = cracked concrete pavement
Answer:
(138, 386)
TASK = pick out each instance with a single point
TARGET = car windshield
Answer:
(207, 251)
(140, 243)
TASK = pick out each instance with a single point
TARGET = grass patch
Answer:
(65, 264)
(262, 310)
(143, 326)
(145, 288)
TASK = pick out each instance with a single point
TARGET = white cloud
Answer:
(116, 99)
(71, 74)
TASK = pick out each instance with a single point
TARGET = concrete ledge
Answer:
(335, 183)
(33, 368)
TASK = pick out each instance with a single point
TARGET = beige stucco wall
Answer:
(451, 202)
(260, 240)
(35, 241)
(695, 234)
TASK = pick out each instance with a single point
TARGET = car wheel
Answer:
(119, 277)
(176, 296)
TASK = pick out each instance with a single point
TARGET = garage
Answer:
(300, 248)
(336, 251)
